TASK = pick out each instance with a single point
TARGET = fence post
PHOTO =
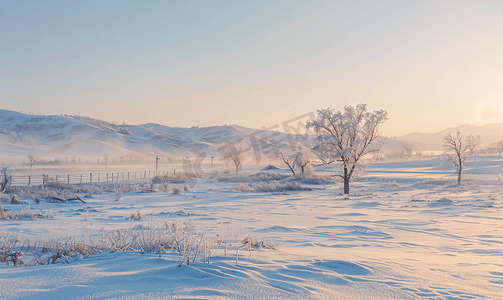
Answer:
(80, 178)
(91, 177)
(112, 177)
(148, 174)
(128, 176)
(117, 176)
(98, 177)
(56, 177)
(29, 180)
(68, 178)
(145, 175)
(107, 176)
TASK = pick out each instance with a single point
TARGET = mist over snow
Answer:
(47, 137)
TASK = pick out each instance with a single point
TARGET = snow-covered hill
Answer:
(490, 133)
(61, 135)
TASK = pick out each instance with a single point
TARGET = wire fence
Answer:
(93, 177)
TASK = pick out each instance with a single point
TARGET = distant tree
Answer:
(455, 152)
(226, 161)
(499, 146)
(106, 161)
(346, 137)
(13, 135)
(299, 158)
(234, 151)
(408, 149)
(473, 143)
(32, 159)
(289, 158)
(29, 140)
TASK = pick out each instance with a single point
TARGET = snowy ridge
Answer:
(490, 133)
(49, 136)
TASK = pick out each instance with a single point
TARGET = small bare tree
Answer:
(234, 151)
(499, 146)
(473, 143)
(298, 158)
(346, 137)
(290, 159)
(32, 159)
(455, 152)
(408, 149)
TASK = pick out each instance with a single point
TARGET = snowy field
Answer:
(406, 231)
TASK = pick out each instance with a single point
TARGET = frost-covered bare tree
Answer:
(346, 137)
(473, 143)
(499, 146)
(455, 152)
(289, 158)
(5, 178)
(299, 158)
(304, 160)
(408, 149)
(32, 159)
(234, 151)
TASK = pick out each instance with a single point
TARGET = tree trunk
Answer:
(346, 181)
(459, 175)
(346, 186)
(460, 171)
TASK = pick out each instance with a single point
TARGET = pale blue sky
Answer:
(430, 64)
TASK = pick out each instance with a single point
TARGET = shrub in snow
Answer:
(177, 180)
(176, 191)
(24, 213)
(186, 188)
(136, 216)
(190, 244)
(4, 198)
(261, 176)
(60, 185)
(15, 199)
(90, 189)
(313, 179)
(165, 188)
(242, 187)
(264, 187)
(5, 178)
(270, 167)
(157, 179)
(3, 213)
(180, 177)
(118, 192)
(445, 201)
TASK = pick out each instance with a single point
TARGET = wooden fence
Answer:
(43, 179)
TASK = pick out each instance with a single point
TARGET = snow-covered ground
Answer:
(406, 231)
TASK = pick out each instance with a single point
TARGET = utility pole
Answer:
(156, 162)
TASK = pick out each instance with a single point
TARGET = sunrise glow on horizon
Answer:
(430, 64)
